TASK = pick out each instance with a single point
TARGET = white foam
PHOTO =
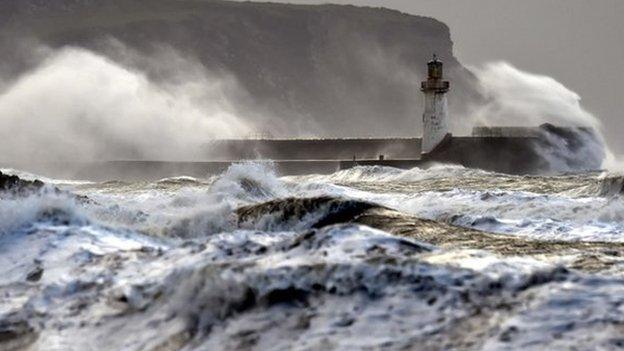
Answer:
(541, 216)
(288, 287)
(376, 174)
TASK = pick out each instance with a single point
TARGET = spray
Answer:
(81, 106)
(517, 98)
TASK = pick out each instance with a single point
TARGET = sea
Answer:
(369, 258)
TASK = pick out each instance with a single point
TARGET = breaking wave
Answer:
(389, 174)
(252, 260)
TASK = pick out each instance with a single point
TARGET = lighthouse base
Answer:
(435, 125)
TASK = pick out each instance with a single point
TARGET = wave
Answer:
(539, 216)
(179, 208)
(250, 180)
(298, 203)
(611, 186)
(43, 207)
(33, 177)
(362, 174)
(390, 174)
(244, 288)
(300, 213)
(181, 181)
(255, 261)
(205, 212)
(606, 185)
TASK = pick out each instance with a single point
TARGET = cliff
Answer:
(328, 70)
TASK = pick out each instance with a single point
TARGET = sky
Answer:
(580, 43)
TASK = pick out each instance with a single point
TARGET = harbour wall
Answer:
(513, 155)
(504, 150)
(293, 157)
(314, 149)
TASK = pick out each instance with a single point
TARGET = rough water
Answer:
(367, 258)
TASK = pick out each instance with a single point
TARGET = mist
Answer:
(77, 105)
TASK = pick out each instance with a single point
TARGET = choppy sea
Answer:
(367, 258)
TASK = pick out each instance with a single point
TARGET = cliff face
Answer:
(328, 70)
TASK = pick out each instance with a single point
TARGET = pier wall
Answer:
(526, 152)
(314, 149)
(513, 155)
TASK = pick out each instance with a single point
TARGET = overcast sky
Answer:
(578, 42)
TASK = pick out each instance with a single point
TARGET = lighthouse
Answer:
(435, 116)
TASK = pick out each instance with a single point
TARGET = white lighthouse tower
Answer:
(435, 117)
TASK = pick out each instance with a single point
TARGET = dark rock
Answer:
(35, 274)
(508, 334)
(16, 333)
(12, 183)
(288, 296)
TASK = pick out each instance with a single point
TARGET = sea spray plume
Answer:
(515, 97)
(518, 98)
(250, 181)
(241, 184)
(18, 213)
(78, 105)
(305, 83)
